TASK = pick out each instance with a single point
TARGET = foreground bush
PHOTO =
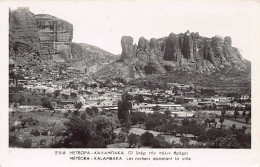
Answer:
(35, 132)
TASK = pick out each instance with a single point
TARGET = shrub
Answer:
(66, 114)
(103, 112)
(89, 111)
(146, 138)
(14, 141)
(80, 131)
(151, 123)
(159, 142)
(12, 129)
(42, 143)
(133, 139)
(83, 116)
(73, 94)
(35, 132)
(96, 142)
(56, 93)
(46, 103)
(121, 137)
(76, 113)
(185, 141)
(27, 143)
(45, 133)
(104, 126)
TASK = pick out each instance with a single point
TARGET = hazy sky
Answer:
(104, 23)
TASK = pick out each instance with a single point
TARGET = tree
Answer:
(167, 114)
(138, 117)
(56, 93)
(196, 130)
(233, 127)
(244, 128)
(73, 94)
(159, 142)
(221, 120)
(66, 114)
(168, 127)
(44, 91)
(76, 113)
(146, 138)
(95, 110)
(78, 131)
(247, 120)
(185, 141)
(49, 95)
(185, 121)
(93, 85)
(223, 113)
(227, 142)
(139, 98)
(21, 99)
(244, 140)
(202, 138)
(193, 121)
(83, 116)
(156, 108)
(27, 143)
(124, 107)
(126, 126)
(244, 113)
(151, 123)
(236, 114)
(96, 141)
(133, 139)
(46, 103)
(213, 133)
(89, 111)
(104, 126)
(78, 105)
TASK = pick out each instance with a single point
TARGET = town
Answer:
(47, 104)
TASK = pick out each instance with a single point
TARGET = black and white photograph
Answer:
(110, 75)
(181, 90)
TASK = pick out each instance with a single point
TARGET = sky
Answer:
(102, 24)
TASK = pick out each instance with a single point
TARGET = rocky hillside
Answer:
(36, 39)
(188, 52)
(94, 58)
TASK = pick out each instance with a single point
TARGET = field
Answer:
(48, 122)
(228, 124)
(139, 131)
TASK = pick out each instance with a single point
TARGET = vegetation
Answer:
(124, 108)
(46, 103)
(133, 139)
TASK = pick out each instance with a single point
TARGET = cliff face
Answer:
(23, 27)
(44, 36)
(48, 35)
(187, 52)
(55, 36)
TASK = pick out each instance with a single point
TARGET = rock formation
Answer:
(48, 35)
(185, 51)
(55, 36)
(45, 37)
(127, 47)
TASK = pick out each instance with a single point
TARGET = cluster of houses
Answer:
(107, 98)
